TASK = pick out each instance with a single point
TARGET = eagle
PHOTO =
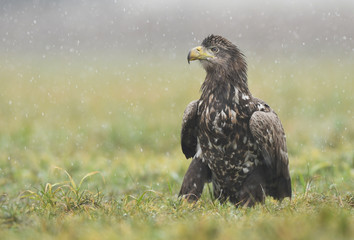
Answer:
(236, 141)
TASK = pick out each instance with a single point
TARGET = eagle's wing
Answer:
(269, 135)
(189, 129)
(198, 172)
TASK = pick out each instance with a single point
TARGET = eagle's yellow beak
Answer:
(198, 53)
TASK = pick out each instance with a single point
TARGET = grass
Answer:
(91, 151)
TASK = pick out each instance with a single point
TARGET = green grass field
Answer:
(91, 151)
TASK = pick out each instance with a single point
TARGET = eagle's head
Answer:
(217, 53)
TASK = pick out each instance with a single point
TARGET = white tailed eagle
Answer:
(237, 141)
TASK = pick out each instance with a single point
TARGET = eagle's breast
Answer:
(224, 135)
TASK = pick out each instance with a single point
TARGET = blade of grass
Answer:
(88, 175)
(70, 178)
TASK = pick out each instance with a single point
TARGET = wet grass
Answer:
(91, 151)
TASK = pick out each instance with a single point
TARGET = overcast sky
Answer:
(171, 27)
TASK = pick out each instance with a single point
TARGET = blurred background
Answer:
(102, 85)
(115, 28)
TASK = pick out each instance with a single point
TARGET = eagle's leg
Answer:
(218, 192)
(254, 188)
(196, 176)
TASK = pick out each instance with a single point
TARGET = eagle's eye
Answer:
(214, 49)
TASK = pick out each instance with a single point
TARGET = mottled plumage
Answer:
(236, 140)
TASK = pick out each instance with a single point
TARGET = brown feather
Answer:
(189, 130)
